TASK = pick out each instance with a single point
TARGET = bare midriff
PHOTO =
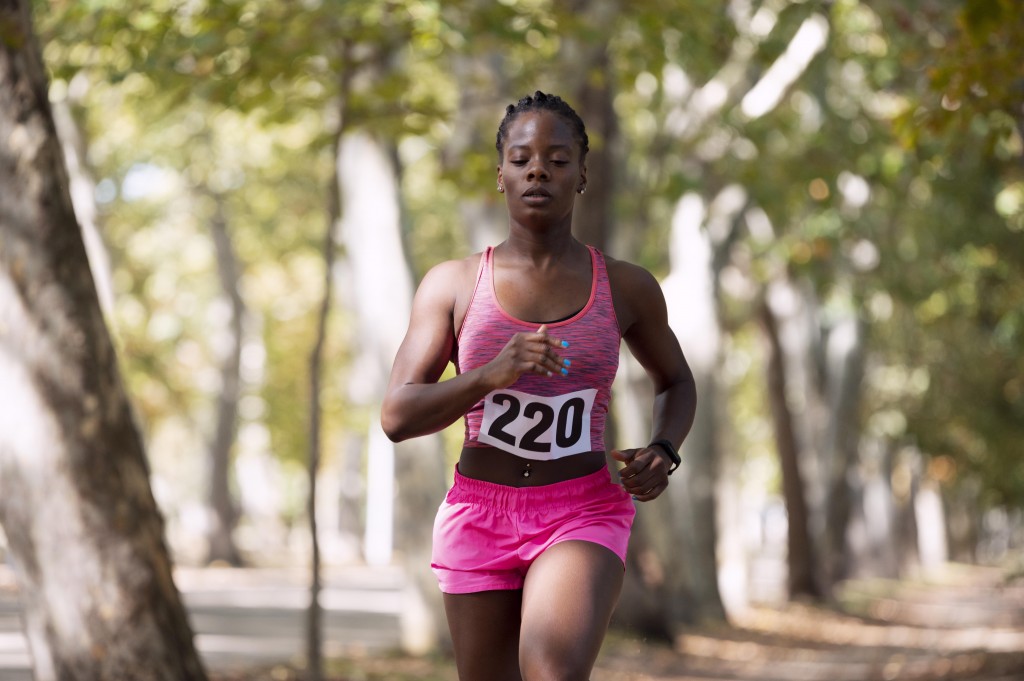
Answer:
(493, 465)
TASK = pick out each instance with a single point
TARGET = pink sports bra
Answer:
(541, 417)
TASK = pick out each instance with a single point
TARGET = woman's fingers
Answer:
(530, 352)
(558, 344)
(652, 493)
(552, 364)
(645, 475)
(549, 361)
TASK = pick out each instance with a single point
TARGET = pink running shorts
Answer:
(486, 535)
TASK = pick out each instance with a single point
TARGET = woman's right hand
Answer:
(535, 352)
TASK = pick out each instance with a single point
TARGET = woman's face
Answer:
(540, 168)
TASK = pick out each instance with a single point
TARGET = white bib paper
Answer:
(535, 427)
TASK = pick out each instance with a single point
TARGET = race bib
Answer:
(539, 428)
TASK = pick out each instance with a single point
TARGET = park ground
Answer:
(961, 623)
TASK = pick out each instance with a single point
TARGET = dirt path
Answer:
(968, 624)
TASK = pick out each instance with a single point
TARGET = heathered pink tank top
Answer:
(541, 417)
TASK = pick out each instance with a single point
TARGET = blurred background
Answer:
(832, 194)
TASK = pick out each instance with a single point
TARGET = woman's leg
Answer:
(570, 593)
(485, 634)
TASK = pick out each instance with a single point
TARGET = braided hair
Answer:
(540, 101)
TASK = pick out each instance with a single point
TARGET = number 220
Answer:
(567, 433)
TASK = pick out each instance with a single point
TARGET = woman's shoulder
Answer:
(635, 292)
(628, 278)
(449, 280)
(456, 271)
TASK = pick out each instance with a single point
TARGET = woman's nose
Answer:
(537, 171)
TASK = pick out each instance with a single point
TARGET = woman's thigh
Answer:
(570, 593)
(485, 634)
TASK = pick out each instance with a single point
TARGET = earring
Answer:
(583, 189)
(501, 189)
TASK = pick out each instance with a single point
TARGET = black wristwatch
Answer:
(671, 451)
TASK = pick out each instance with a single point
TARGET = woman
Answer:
(530, 543)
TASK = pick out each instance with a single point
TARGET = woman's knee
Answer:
(545, 659)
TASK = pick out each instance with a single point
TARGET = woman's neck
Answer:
(540, 250)
(539, 247)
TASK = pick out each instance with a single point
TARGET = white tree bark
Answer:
(692, 309)
(380, 299)
(844, 367)
(931, 522)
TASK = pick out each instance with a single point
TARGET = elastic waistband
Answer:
(560, 494)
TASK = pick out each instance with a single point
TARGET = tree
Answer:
(800, 553)
(314, 613)
(85, 534)
(368, 181)
(224, 513)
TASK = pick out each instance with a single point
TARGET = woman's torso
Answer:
(541, 429)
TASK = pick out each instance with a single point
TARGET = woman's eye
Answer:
(518, 162)
(560, 162)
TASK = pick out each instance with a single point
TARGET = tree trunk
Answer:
(932, 543)
(594, 214)
(380, 276)
(800, 558)
(845, 370)
(877, 555)
(674, 551)
(351, 497)
(85, 536)
(223, 510)
(484, 217)
(642, 605)
(695, 323)
(906, 480)
(963, 521)
(314, 613)
(83, 189)
(421, 484)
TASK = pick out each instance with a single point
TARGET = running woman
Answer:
(529, 544)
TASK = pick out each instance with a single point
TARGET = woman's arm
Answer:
(643, 317)
(415, 403)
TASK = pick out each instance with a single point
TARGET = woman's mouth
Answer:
(536, 195)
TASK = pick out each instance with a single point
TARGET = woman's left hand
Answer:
(645, 475)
